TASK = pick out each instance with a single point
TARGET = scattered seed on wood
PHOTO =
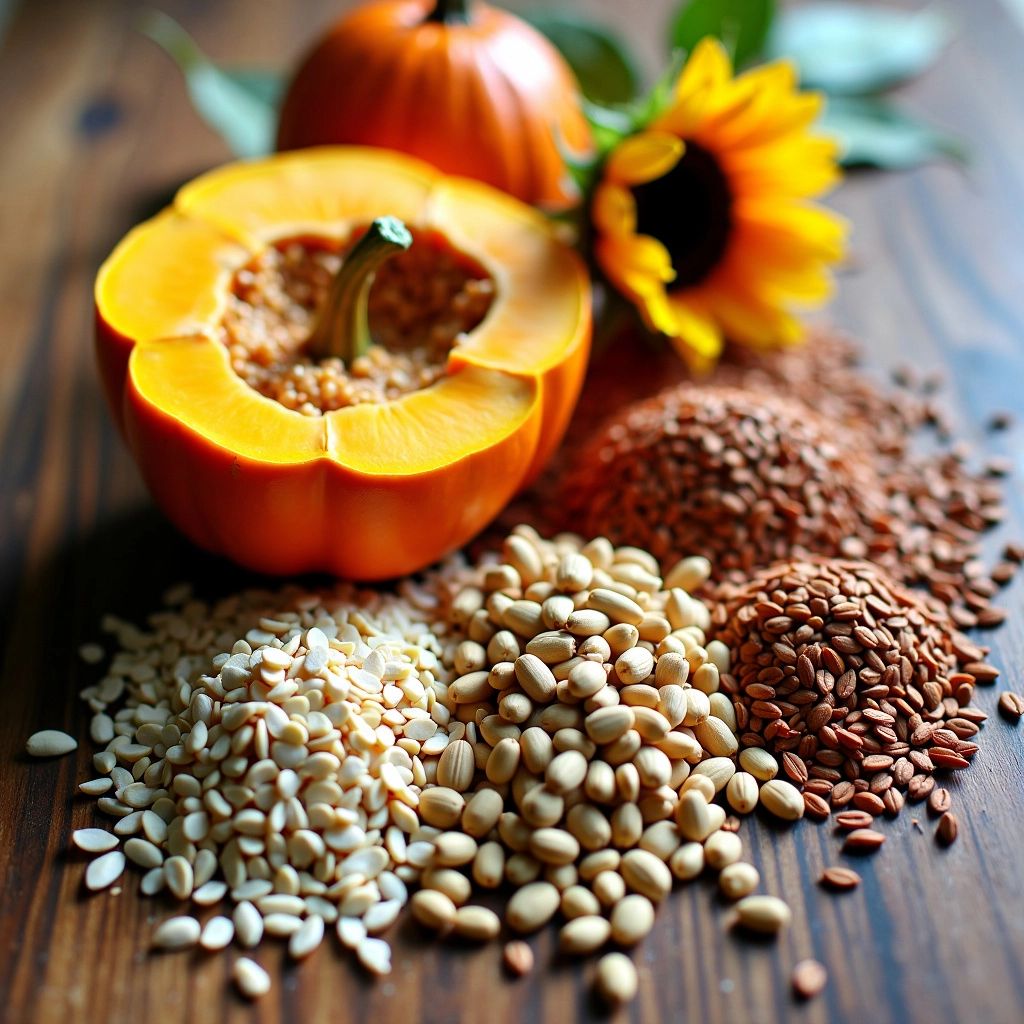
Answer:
(518, 958)
(863, 840)
(1011, 705)
(252, 981)
(616, 979)
(50, 743)
(840, 879)
(808, 979)
(947, 829)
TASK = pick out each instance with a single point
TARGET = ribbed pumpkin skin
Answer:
(484, 99)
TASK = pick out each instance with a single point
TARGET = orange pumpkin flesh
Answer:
(484, 95)
(369, 491)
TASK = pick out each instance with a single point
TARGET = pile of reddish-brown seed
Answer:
(786, 454)
(860, 688)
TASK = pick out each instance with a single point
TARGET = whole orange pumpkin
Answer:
(467, 87)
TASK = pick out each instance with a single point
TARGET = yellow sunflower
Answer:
(703, 218)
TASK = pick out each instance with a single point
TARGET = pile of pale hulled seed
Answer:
(549, 725)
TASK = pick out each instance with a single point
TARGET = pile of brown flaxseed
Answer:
(860, 688)
(789, 454)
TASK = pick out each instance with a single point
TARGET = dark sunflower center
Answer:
(689, 211)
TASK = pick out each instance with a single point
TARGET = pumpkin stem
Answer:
(450, 12)
(343, 330)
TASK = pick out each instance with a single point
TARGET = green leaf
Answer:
(742, 25)
(241, 106)
(873, 133)
(852, 49)
(600, 61)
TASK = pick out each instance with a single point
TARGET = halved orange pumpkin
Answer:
(369, 491)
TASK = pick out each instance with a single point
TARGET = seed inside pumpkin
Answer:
(419, 303)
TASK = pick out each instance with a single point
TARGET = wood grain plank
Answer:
(98, 133)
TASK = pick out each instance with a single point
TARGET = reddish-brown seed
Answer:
(840, 879)
(982, 671)
(1011, 705)
(920, 786)
(794, 767)
(948, 829)
(939, 800)
(943, 758)
(863, 840)
(868, 802)
(809, 978)
(815, 807)
(893, 800)
(849, 820)
(518, 958)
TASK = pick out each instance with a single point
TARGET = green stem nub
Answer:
(343, 330)
(450, 12)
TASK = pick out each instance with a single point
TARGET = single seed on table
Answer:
(477, 923)
(584, 935)
(532, 906)
(252, 981)
(104, 870)
(939, 800)
(631, 919)
(840, 879)
(375, 955)
(782, 799)
(863, 840)
(738, 880)
(808, 979)
(1011, 705)
(217, 933)
(177, 933)
(948, 829)
(94, 840)
(616, 979)
(765, 914)
(518, 958)
(50, 743)
(95, 787)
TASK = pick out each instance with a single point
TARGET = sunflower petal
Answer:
(694, 334)
(643, 158)
(614, 210)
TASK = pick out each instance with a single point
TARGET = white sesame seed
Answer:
(50, 743)
(177, 933)
(252, 981)
(105, 870)
(94, 840)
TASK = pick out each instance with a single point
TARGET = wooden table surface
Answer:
(97, 133)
